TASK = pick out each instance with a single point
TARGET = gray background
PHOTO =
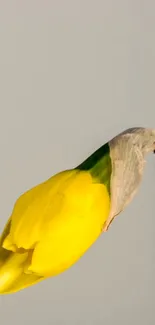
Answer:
(72, 75)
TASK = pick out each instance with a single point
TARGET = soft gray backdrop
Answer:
(74, 73)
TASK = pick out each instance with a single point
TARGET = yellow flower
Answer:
(54, 224)
(51, 227)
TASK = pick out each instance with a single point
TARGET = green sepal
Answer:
(99, 165)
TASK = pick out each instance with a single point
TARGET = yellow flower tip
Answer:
(11, 270)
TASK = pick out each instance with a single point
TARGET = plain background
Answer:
(72, 75)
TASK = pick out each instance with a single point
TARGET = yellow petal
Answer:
(51, 227)
(72, 232)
